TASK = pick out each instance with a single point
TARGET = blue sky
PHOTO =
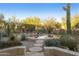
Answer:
(42, 10)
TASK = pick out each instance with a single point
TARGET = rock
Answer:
(38, 45)
(35, 49)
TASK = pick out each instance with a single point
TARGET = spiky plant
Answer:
(67, 9)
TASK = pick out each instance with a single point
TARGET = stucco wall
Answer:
(55, 51)
(13, 51)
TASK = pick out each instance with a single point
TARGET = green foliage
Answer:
(76, 31)
(65, 40)
(62, 32)
(8, 30)
(49, 30)
(58, 25)
(23, 37)
(77, 26)
(52, 42)
(9, 44)
(4, 34)
(69, 41)
(43, 30)
(12, 37)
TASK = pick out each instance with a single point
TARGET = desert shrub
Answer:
(49, 30)
(75, 32)
(62, 32)
(12, 37)
(23, 37)
(9, 44)
(69, 41)
(4, 35)
(52, 42)
(0, 36)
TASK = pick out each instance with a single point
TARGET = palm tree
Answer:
(68, 23)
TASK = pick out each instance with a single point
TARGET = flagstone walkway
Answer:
(36, 48)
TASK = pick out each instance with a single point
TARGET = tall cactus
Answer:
(8, 29)
(67, 9)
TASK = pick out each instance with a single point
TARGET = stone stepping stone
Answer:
(38, 44)
(35, 53)
(39, 41)
(35, 49)
(42, 37)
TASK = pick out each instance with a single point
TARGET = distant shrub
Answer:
(75, 32)
(52, 42)
(12, 37)
(4, 34)
(23, 37)
(9, 44)
(62, 31)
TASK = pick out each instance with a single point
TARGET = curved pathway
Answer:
(36, 48)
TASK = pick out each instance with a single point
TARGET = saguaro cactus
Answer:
(8, 29)
(67, 9)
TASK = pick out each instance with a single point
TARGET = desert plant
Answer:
(52, 42)
(8, 30)
(62, 32)
(12, 37)
(5, 35)
(69, 41)
(23, 37)
(0, 36)
(9, 44)
(68, 23)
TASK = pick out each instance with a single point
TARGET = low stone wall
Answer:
(55, 51)
(13, 51)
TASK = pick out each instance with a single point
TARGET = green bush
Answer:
(12, 37)
(52, 42)
(9, 44)
(62, 32)
(23, 37)
(69, 41)
(75, 32)
(4, 35)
